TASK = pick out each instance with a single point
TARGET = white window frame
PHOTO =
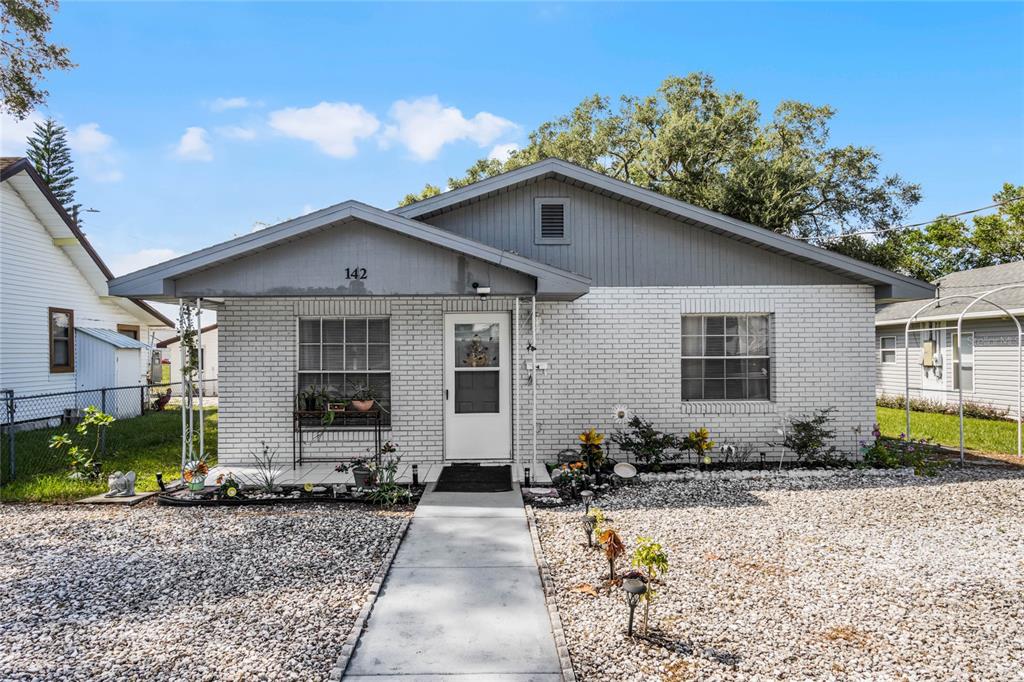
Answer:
(882, 350)
(302, 385)
(955, 343)
(767, 356)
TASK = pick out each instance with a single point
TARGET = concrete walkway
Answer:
(463, 600)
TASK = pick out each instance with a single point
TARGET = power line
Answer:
(911, 225)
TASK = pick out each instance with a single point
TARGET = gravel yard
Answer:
(840, 578)
(153, 593)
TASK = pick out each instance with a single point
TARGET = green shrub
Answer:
(809, 439)
(976, 410)
(645, 443)
(895, 453)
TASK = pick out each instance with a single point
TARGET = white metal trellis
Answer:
(975, 299)
(960, 365)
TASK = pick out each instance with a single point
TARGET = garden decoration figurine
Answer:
(195, 474)
(634, 586)
(121, 484)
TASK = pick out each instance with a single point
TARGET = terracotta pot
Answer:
(362, 405)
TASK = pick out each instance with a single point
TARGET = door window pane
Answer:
(477, 345)
(476, 392)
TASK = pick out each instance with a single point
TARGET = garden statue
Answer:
(121, 485)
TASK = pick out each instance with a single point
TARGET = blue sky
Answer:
(196, 122)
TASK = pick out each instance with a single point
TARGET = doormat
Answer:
(474, 478)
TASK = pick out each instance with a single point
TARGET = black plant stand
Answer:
(312, 421)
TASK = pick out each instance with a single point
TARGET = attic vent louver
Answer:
(552, 221)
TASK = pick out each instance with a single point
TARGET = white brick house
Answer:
(551, 291)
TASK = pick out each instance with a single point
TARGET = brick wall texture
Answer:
(614, 346)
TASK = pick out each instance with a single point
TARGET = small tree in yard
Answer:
(645, 443)
(652, 559)
(82, 459)
(613, 548)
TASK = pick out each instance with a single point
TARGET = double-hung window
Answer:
(726, 357)
(345, 355)
(887, 349)
(62, 340)
(963, 355)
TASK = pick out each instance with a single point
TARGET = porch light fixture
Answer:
(482, 292)
(415, 474)
(635, 590)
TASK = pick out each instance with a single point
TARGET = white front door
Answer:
(477, 386)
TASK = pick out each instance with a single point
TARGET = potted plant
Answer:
(363, 399)
(362, 474)
(313, 399)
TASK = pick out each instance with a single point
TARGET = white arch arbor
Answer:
(975, 299)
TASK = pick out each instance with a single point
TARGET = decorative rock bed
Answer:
(855, 575)
(147, 593)
(289, 494)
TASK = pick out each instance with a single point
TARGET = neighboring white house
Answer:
(501, 319)
(990, 347)
(170, 355)
(60, 329)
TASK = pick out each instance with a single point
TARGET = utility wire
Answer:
(911, 225)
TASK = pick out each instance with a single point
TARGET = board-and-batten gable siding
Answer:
(36, 275)
(995, 363)
(618, 244)
(316, 264)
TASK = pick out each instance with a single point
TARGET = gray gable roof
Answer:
(158, 280)
(969, 284)
(888, 284)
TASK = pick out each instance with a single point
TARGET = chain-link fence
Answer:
(147, 421)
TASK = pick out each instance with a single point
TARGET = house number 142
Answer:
(355, 273)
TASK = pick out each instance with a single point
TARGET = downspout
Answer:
(533, 375)
(515, 383)
(199, 333)
(181, 377)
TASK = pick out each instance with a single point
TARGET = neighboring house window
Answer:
(551, 221)
(62, 340)
(967, 360)
(887, 348)
(129, 330)
(344, 355)
(725, 357)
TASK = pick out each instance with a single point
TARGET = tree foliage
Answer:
(952, 244)
(50, 153)
(714, 149)
(25, 53)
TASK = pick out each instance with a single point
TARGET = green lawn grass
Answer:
(982, 435)
(145, 445)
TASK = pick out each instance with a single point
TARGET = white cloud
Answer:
(96, 154)
(424, 126)
(237, 132)
(501, 152)
(194, 146)
(307, 209)
(130, 262)
(225, 103)
(89, 139)
(334, 127)
(13, 133)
